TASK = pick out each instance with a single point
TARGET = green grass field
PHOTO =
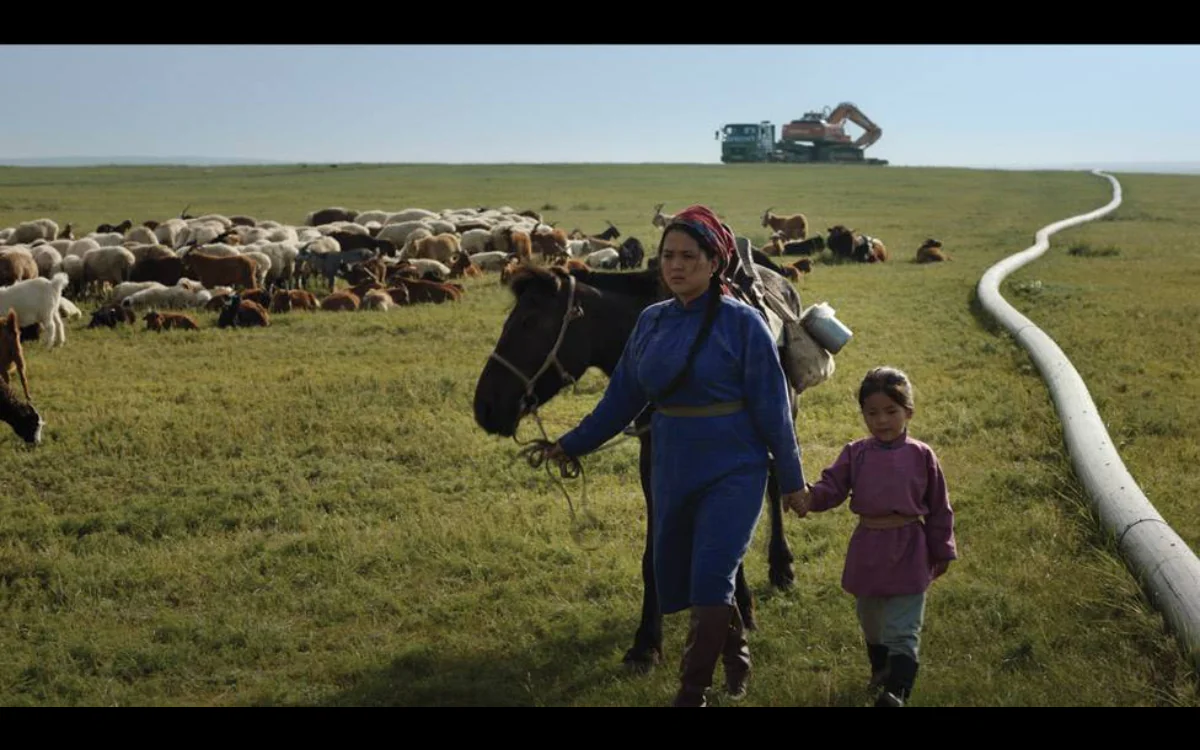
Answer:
(308, 515)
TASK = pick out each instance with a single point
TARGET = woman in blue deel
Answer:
(709, 364)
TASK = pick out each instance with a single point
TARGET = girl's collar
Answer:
(890, 445)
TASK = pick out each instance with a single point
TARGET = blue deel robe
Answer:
(709, 474)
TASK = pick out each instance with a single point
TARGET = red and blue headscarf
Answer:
(716, 235)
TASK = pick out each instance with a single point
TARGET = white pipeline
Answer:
(1167, 568)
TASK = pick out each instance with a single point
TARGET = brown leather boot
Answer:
(708, 629)
(736, 657)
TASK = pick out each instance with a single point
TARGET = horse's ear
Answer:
(528, 278)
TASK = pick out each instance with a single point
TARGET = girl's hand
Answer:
(939, 568)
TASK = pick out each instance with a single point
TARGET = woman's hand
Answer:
(939, 568)
(799, 502)
(556, 454)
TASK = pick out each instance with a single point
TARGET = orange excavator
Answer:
(816, 137)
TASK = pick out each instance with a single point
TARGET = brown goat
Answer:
(931, 252)
(67, 233)
(156, 321)
(793, 227)
(430, 291)
(341, 301)
(399, 295)
(213, 271)
(286, 300)
(11, 354)
(260, 296)
(16, 265)
(548, 244)
(464, 267)
(250, 313)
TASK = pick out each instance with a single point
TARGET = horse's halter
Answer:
(528, 399)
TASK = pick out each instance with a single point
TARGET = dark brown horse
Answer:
(591, 315)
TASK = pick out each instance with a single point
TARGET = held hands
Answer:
(799, 502)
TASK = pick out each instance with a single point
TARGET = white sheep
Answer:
(606, 258)
(262, 265)
(107, 264)
(79, 248)
(49, 261)
(72, 266)
(410, 214)
(493, 260)
(128, 288)
(171, 297)
(6, 234)
(474, 241)
(37, 301)
(283, 260)
(250, 235)
(107, 239)
(268, 224)
(67, 308)
(61, 245)
(578, 248)
(224, 221)
(441, 226)
(141, 252)
(142, 236)
(169, 231)
(377, 299)
(38, 229)
(283, 234)
(198, 234)
(399, 233)
(368, 216)
(430, 266)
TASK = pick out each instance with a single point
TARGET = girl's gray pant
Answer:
(893, 621)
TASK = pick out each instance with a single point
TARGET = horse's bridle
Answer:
(529, 400)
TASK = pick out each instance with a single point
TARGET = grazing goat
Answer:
(793, 227)
(22, 418)
(156, 321)
(11, 354)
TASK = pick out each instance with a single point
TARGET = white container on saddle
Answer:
(828, 331)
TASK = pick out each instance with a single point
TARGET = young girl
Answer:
(905, 535)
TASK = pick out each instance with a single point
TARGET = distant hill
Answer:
(96, 161)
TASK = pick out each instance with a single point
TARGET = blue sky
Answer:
(1004, 105)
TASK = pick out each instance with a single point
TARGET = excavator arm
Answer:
(846, 110)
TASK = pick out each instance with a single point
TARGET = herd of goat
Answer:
(247, 269)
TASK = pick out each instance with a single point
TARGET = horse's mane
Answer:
(528, 275)
(646, 284)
